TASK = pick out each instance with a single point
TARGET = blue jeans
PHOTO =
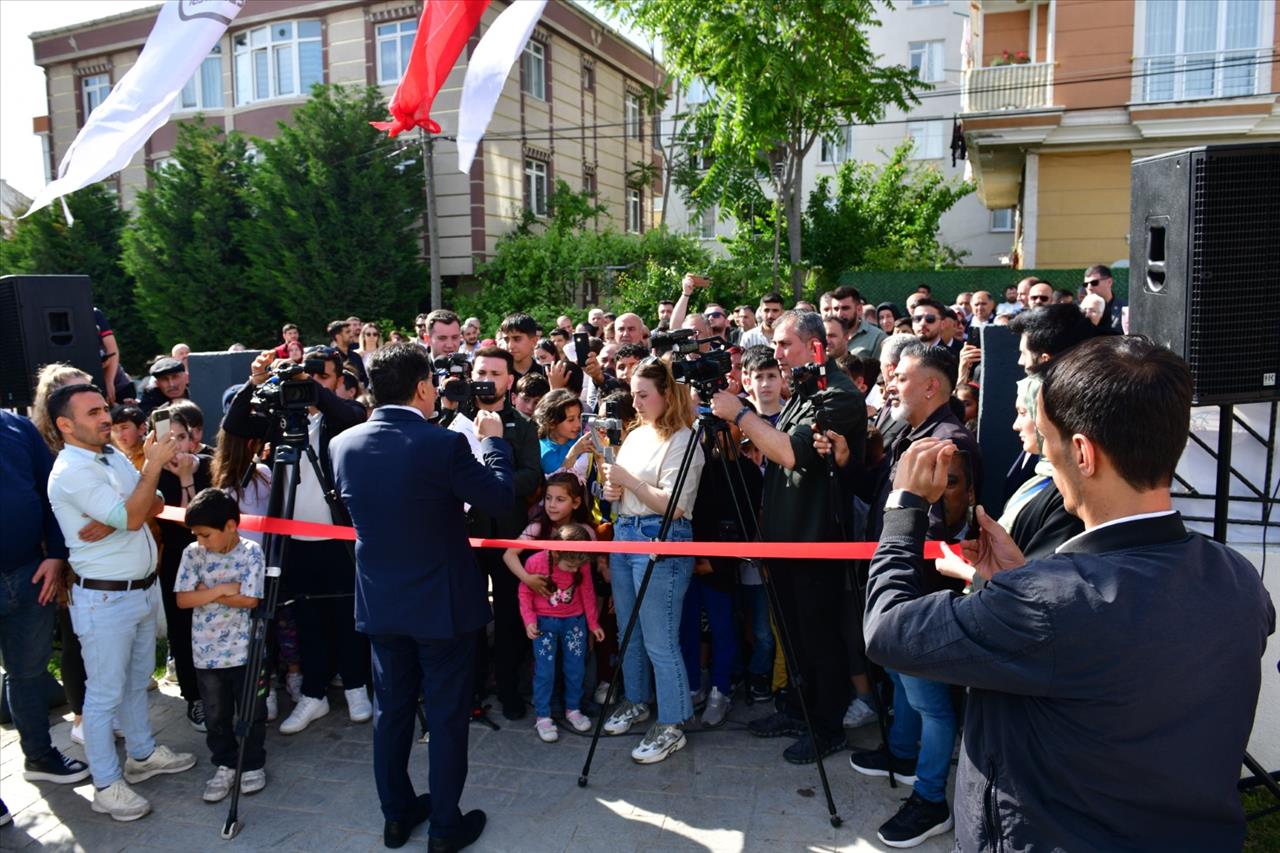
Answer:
(117, 632)
(724, 642)
(756, 600)
(656, 639)
(26, 641)
(924, 727)
(568, 635)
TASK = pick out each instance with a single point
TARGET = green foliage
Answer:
(44, 243)
(184, 248)
(881, 217)
(335, 224)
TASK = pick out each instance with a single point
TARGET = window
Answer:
(1002, 219)
(839, 148)
(277, 61)
(927, 136)
(634, 210)
(705, 227)
(533, 64)
(535, 187)
(589, 180)
(395, 44)
(926, 60)
(204, 90)
(94, 89)
(633, 116)
(1201, 49)
(588, 78)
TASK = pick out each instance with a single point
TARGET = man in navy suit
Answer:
(420, 596)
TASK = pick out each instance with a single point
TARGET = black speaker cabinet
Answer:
(996, 412)
(1204, 281)
(43, 319)
(212, 373)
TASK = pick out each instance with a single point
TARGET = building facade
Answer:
(1099, 83)
(574, 107)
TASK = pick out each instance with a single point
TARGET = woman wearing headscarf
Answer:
(888, 314)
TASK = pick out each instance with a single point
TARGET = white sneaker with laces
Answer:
(661, 741)
(253, 781)
(120, 801)
(293, 684)
(547, 730)
(627, 715)
(161, 760)
(307, 711)
(359, 708)
(218, 787)
(858, 714)
(273, 705)
(578, 721)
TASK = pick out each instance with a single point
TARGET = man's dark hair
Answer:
(1063, 296)
(773, 296)
(666, 302)
(950, 314)
(1100, 270)
(808, 324)
(938, 359)
(59, 402)
(395, 371)
(558, 332)
(638, 351)
(924, 288)
(851, 364)
(846, 291)
(497, 352)
(128, 414)
(840, 321)
(930, 302)
(758, 357)
(870, 370)
(212, 508)
(1130, 397)
(187, 412)
(442, 315)
(334, 328)
(330, 354)
(350, 381)
(1052, 329)
(533, 384)
(596, 345)
(287, 327)
(521, 323)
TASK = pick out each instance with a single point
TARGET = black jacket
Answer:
(1044, 524)
(519, 432)
(1112, 686)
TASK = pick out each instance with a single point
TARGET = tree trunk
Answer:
(794, 222)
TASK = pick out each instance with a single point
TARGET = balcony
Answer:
(1028, 86)
(1193, 76)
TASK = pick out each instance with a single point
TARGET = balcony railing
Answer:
(1189, 76)
(1007, 87)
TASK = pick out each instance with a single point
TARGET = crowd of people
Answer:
(844, 421)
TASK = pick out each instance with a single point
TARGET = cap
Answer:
(164, 366)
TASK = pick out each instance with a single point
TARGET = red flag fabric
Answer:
(443, 31)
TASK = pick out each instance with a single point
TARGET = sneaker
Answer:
(195, 715)
(661, 741)
(218, 787)
(806, 750)
(626, 716)
(120, 801)
(307, 711)
(778, 724)
(578, 721)
(761, 687)
(77, 733)
(717, 709)
(917, 820)
(161, 760)
(293, 684)
(698, 698)
(55, 767)
(875, 762)
(858, 714)
(273, 705)
(547, 730)
(253, 781)
(602, 693)
(359, 708)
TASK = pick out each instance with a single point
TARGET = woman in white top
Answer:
(640, 483)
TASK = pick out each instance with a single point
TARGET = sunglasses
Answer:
(1092, 282)
(925, 318)
(1038, 298)
(711, 314)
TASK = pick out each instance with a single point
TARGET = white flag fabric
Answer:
(184, 33)
(487, 72)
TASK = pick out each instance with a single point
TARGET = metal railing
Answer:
(1007, 87)
(1188, 76)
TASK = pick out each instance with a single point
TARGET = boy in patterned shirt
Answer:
(221, 577)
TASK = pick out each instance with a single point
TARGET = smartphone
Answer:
(581, 346)
(700, 281)
(160, 424)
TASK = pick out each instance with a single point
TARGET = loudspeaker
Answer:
(45, 318)
(1204, 256)
(212, 373)
(997, 398)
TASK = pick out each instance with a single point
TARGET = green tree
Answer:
(185, 251)
(45, 243)
(338, 205)
(782, 75)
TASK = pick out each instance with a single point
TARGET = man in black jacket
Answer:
(1083, 730)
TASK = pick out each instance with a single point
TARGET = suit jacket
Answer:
(520, 433)
(404, 481)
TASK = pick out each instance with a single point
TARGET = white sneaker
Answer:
(578, 720)
(120, 801)
(304, 713)
(661, 741)
(547, 730)
(858, 714)
(161, 760)
(602, 693)
(77, 733)
(359, 708)
(293, 684)
(217, 788)
(273, 705)
(253, 781)
(627, 715)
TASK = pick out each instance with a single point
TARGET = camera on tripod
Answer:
(284, 391)
(452, 367)
(679, 341)
(707, 374)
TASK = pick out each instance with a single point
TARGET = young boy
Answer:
(221, 577)
(128, 431)
(764, 382)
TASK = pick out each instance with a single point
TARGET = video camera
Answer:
(456, 366)
(283, 391)
(679, 341)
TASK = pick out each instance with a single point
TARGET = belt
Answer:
(116, 586)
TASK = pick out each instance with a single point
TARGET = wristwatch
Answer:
(902, 499)
(742, 413)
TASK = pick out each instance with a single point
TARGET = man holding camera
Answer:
(315, 566)
(803, 503)
(420, 596)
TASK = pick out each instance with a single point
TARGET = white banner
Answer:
(487, 72)
(184, 33)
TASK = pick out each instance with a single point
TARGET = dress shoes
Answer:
(396, 832)
(472, 825)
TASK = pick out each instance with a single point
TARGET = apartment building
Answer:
(926, 35)
(574, 107)
(1099, 83)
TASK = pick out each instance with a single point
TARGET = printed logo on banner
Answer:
(217, 10)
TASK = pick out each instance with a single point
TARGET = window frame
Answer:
(633, 125)
(201, 101)
(102, 88)
(244, 85)
(996, 228)
(535, 172)
(845, 144)
(921, 152)
(395, 37)
(534, 52)
(634, 218)
(1150, 82)
(927, 51)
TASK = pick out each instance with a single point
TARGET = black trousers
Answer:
(810, 597)
(327, 637)
(73, 676)
(178, 621)
(221, 690)
(510, 642)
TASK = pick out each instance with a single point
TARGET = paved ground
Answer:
(726, 791)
